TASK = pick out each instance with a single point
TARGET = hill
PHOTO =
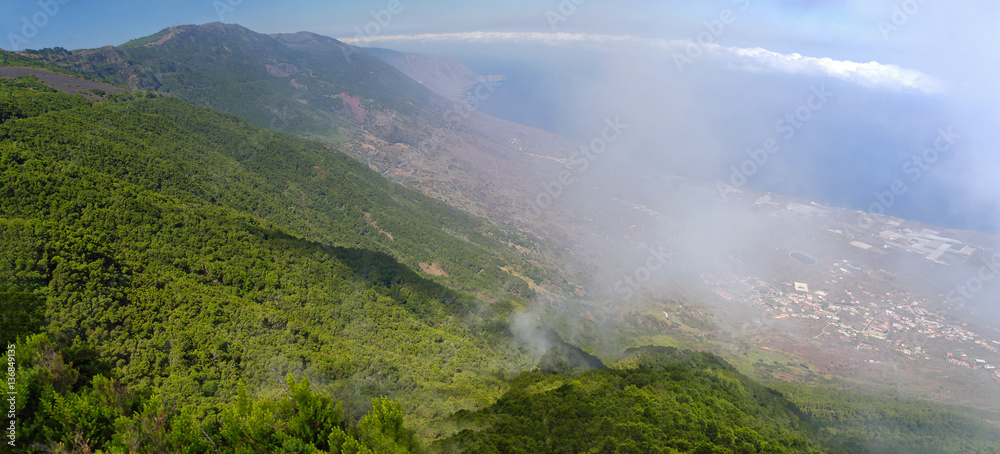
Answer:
(665, 400)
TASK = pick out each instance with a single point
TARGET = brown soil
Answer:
(368, 217)
(433, 269)
(61, 82)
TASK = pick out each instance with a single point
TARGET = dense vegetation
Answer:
(857, 422)
(174, 279)
(321, 89)
(66, 409)
(660, 400)
(147, 240)
(202, 157)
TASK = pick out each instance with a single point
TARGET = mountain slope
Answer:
(672, 402)
(664, 400)
(311, 190)
(254, 76)
(319, 88)
(186, 266)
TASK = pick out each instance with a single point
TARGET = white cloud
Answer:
(871, 74)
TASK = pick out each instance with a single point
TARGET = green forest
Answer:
(666, 400)
(175, 279)
(135, 237)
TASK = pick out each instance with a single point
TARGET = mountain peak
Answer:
(211, 28)
(220, 26)
(304, 38)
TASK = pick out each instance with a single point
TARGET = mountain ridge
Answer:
(361, 104)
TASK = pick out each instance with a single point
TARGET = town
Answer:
(858, 305)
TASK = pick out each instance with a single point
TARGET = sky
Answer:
(721, 72)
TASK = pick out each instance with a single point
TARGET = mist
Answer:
(728, 158)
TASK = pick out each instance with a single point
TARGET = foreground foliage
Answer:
(65, 410)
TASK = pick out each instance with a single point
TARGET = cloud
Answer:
(871, 74)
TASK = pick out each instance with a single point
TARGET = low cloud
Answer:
(872, 74)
